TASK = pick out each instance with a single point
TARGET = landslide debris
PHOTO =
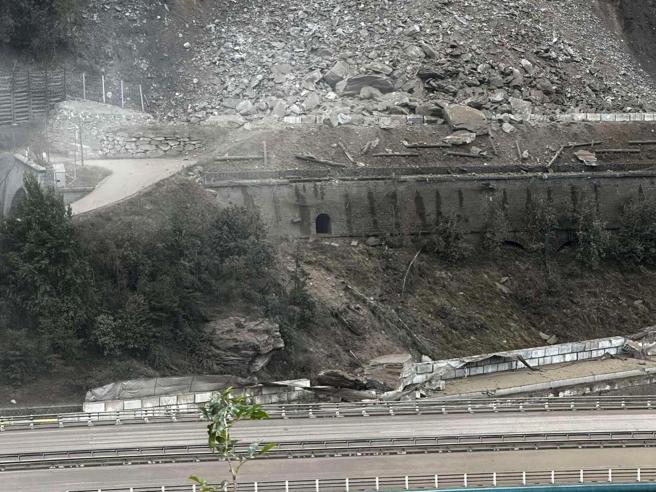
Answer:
(282, 58)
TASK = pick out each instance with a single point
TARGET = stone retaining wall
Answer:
(150, 143)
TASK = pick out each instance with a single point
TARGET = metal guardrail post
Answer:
(407, 485)
(523, 478)
(346, 485)
(316, 485)
(254, 487)
(377, 484)
(553, 477)
(610, 474)
(494, 479)
(580, 476)
(638, 475)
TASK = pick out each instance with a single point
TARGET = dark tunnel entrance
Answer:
(323, 225)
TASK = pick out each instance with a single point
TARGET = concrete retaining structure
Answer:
(367, 205)
(283, 392)
(506, 361)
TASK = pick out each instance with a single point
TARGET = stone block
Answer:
(608, 117)
(150, 402)
(93, 407)
(603, 344)
(202, 397)
(415, 119)
(594, 117)
(185, 399)
(424, 367)
(622, 117)
(558, 359)
(551, 350)
(650, 116)
(132, 404)
(166, 401)
(114, 406)
(570, 357)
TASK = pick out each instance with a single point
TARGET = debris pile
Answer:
(279, 58)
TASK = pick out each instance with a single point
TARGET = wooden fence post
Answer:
(84, 86)
(122, 96)
(102, 78)
(141, 96)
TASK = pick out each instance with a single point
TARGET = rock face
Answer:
(240, 345)
(462, 117)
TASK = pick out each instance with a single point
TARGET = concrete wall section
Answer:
(364, 206)
(263, 394)
(535, 357)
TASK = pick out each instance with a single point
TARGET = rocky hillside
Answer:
(278, 57)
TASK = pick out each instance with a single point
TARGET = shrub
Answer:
(541, 223)
(592, 236)
(497, 227)
(448, 241)
(635, 241)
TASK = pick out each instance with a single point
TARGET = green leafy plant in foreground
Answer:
(223, 411)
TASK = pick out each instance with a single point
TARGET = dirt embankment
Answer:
(635, 22)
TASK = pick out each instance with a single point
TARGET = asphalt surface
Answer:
(325, 468)
(182, 433)
(111, 436)
(129, 177)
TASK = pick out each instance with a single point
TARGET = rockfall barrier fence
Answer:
(28, 96)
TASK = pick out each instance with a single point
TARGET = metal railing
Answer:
(330, 448)
(190, 412)
(646, 476)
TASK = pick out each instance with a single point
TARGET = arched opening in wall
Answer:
(323, 225)
(18, 198)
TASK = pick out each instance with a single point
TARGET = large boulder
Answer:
(340, 379)
(462, 117)
(337, 73)
(353, 85)
(243, 346)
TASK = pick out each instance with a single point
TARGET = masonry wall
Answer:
(366, 206)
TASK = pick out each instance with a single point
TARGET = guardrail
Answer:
(330, 448)
(190, 412)
(644, 476)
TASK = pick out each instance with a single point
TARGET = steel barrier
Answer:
(645, 476)
(190, 412)
(329, 448)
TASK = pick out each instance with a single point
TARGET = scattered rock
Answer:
(225, 121)
(312, 101)
(508, 128)
(461, 137)
(462, 117)
(369, 93)
(353, 85)
(340, 379)
(586, 157)
(337, 73)
(373, 241)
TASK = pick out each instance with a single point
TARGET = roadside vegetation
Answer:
(39, 27)
(118, 291)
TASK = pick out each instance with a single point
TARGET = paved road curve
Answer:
(95, 478)
(129, 177)
(311, 429)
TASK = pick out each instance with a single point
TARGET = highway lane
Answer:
(320, 429)
(273, 470)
